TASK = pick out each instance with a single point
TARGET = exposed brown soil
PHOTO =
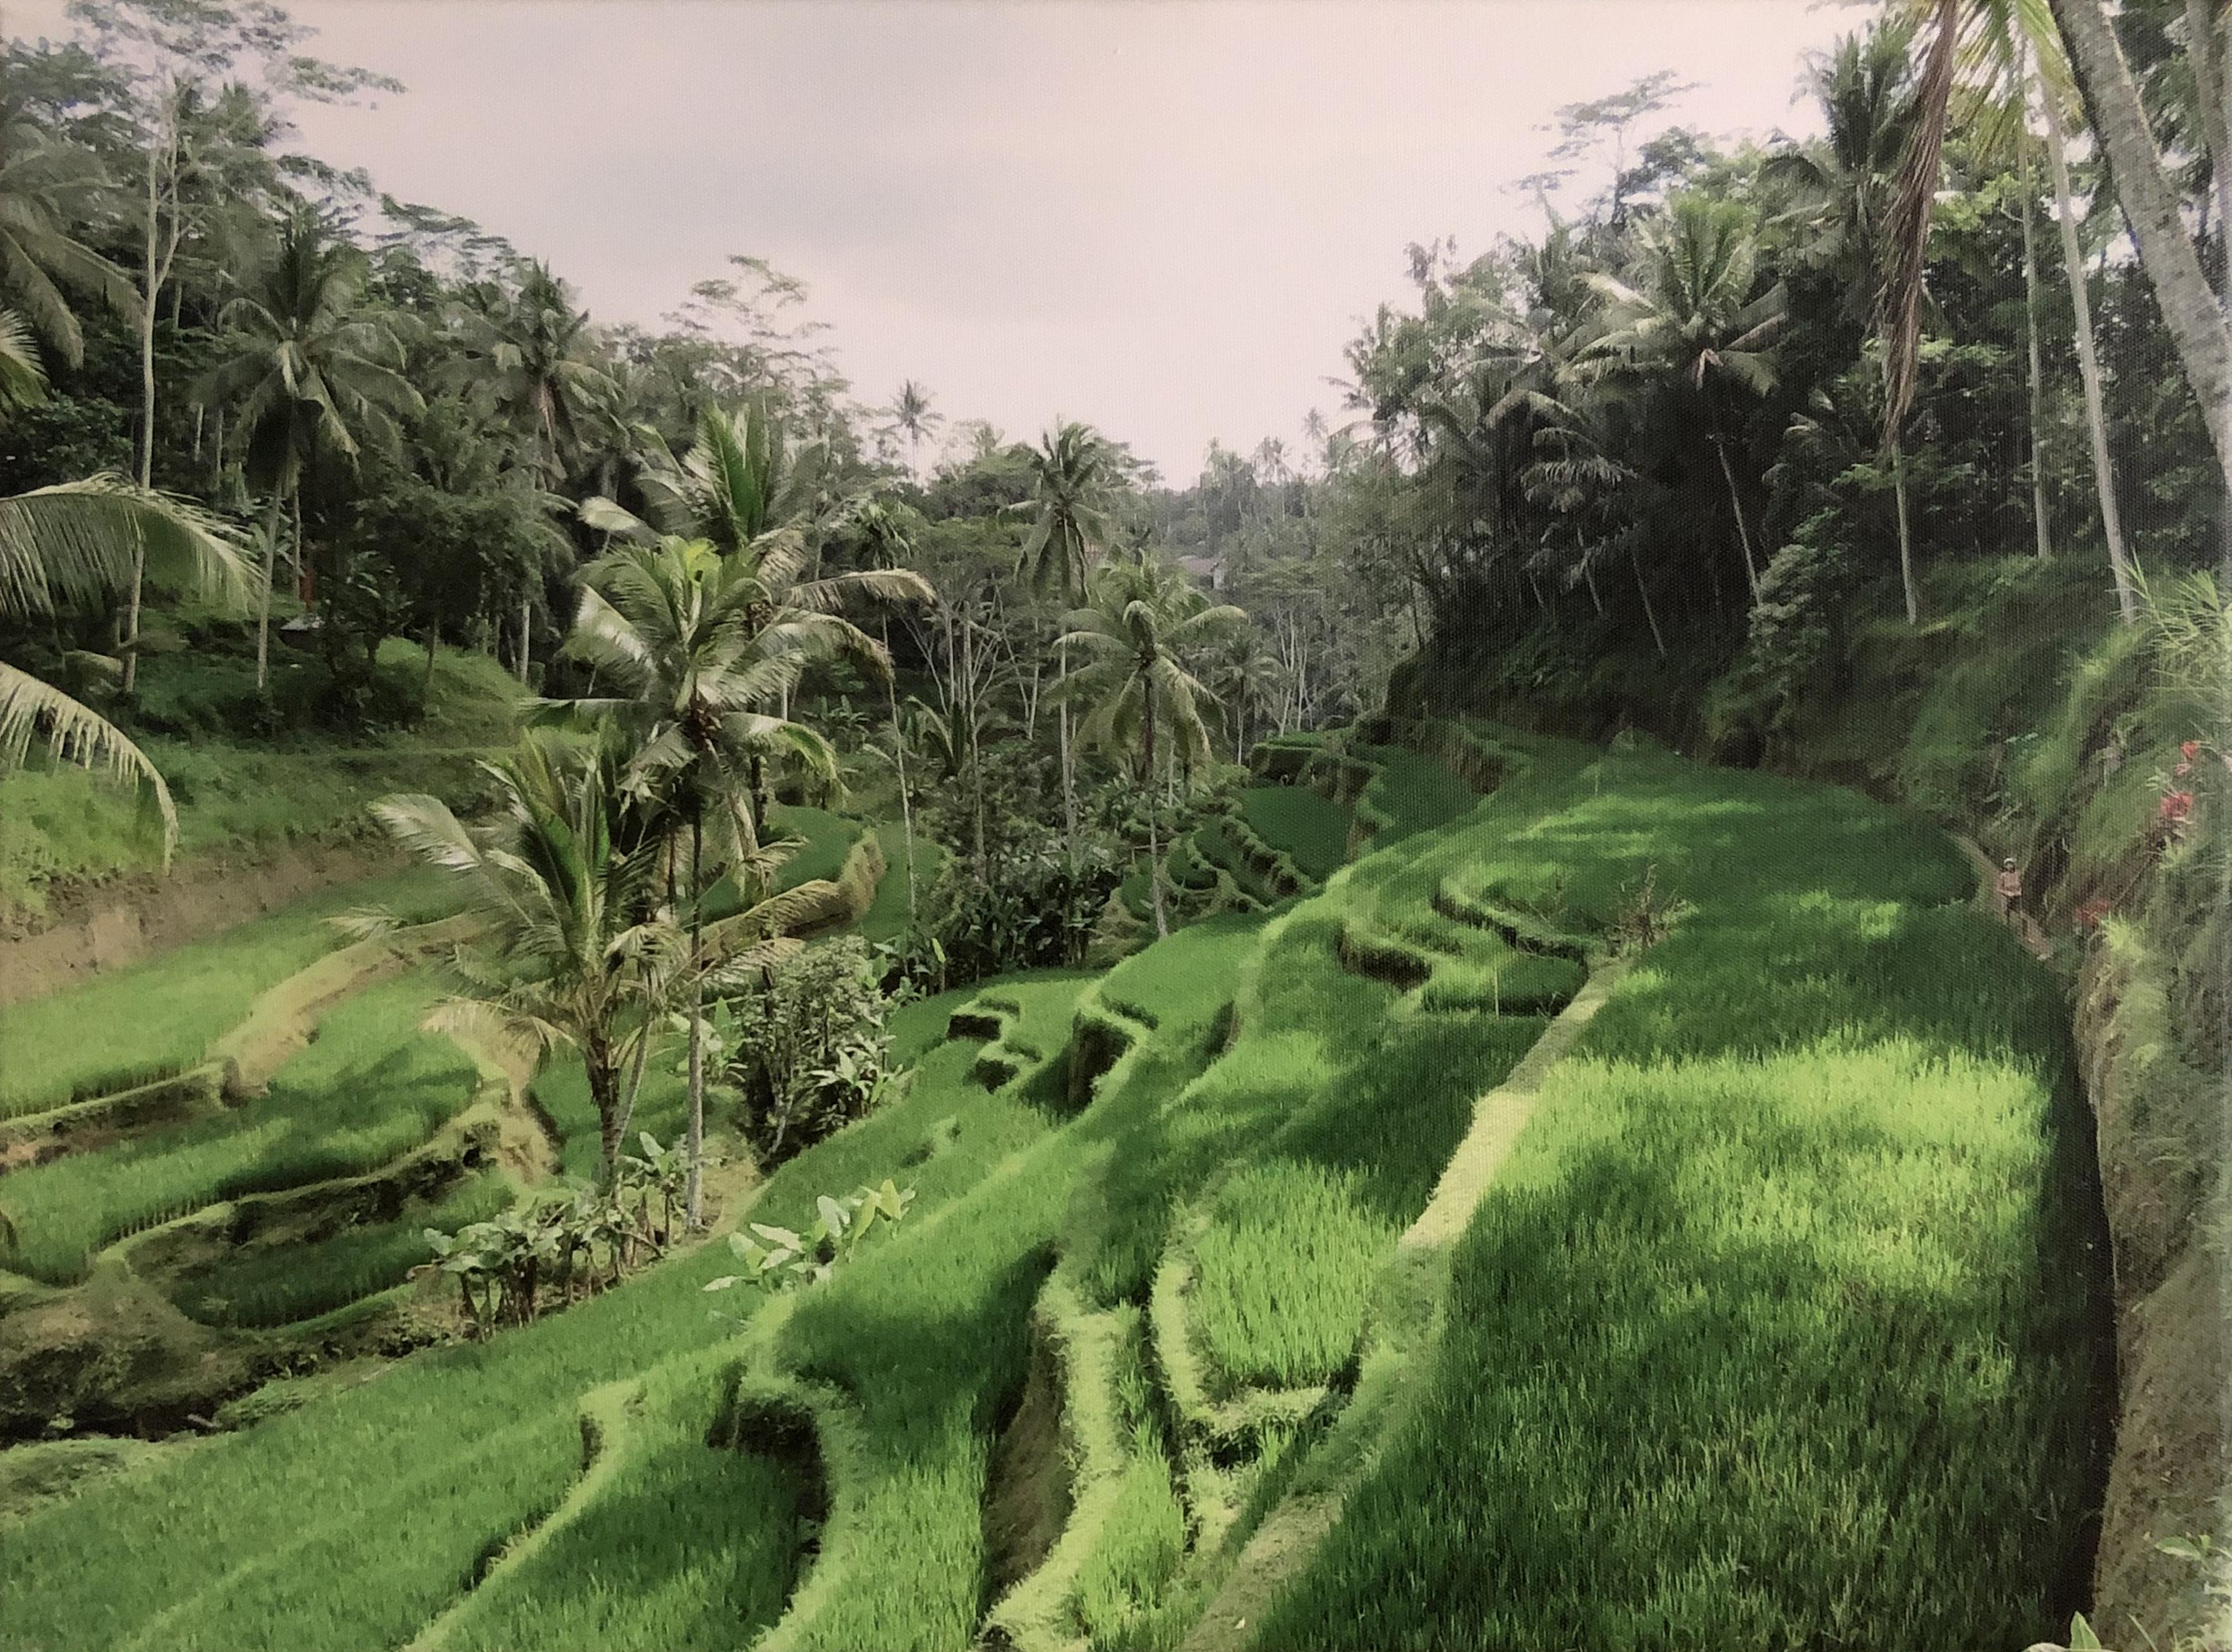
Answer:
(1026, 1492)
(119, 921)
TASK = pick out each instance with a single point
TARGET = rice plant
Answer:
(373, 1087)
(162, 1015)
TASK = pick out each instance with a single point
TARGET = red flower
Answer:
(2089, 915)
(2188, 748)
(2176, 807)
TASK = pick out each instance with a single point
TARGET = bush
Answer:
(810, 1046)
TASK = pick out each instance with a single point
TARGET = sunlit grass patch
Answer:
(373, 1087)
(1786, 1317)
(165, 1013)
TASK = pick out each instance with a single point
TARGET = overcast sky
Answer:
(1166, 219)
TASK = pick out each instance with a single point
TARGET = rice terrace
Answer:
(699, 958)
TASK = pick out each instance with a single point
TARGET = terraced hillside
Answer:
(224, 1161)
(1625, 1204)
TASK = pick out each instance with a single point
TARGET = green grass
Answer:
(348, 1524)
(370, 1089)
(1772, 1333)
(234, 794)
(1789, 1270)
(1282, 1275)
(886, 916)
(1311, 828)
(164, 1014)
(662, 1107)
(695, 1555)
(1410, 794)
(285, 1284)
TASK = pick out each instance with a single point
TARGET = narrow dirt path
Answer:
(1398, 1347)
(2026, 926)
(284, 1019)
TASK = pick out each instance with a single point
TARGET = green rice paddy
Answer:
(1775, 1329)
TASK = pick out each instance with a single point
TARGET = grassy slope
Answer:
(1311, 828)
(371, 1088)
(352, 1522)
(1904, 1060)
(165, 1013)
(1787, 1272)
(234, 794)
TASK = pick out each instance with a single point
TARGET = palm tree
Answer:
(912, 417)
(1073, 487)
(741, 481)
(1695, 319)
(40, 182)
(1997, 49)
(313, 375)
(529, 351)
(1145, 627)
(574, 948)
(2151, 204)
(696, 644)
(62, 547)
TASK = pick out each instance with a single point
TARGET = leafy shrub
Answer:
(809, 1045)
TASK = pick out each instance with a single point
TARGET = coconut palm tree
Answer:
(1697, 321)
(1998, 53)
(913, 418)
(529, 352)
(1141, 636)
(312, 375)
(1073, 493)
(79, 542)
(43, 183)
(2151, 204)
(575, 947)
(695, 645)
(739, 481)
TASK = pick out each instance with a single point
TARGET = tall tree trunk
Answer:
(1644, 590)
(2041, 520)
(263, 602)
(898, 763)
(525, 632)
(151, 277)
(2088, 369)
(693, 1201)
(1068, 762)
(1905, 533)
(635, 1082)
(2212, 84)
(1154, 841)
(2172, 264)
(304, 592)
(1735, 504)
(597, 1065)
(2214, 96)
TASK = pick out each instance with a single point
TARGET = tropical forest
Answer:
(655, 997)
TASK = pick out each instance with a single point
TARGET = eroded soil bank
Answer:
(121, 922)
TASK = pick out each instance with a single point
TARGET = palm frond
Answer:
(35, 713)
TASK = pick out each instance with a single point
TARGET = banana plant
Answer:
(780, 1259)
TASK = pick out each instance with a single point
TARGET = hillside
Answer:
(1193, 1265)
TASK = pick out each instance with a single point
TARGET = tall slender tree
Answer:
(1146, 633)
(311, 373)
(1072, 521)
